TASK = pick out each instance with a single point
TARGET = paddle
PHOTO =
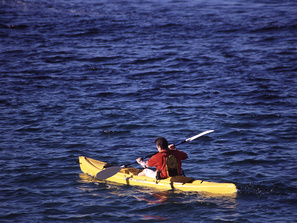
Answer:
(110, 171)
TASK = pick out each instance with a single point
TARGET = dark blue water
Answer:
(105, 78)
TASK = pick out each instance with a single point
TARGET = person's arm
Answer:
(182, 154)
(142, 163)
(172, 147)
(154, 160)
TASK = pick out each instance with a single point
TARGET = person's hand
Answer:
(172, 147)
(139, 159)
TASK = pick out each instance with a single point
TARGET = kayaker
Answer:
(167, 161)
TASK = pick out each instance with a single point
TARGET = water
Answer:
(105, 78)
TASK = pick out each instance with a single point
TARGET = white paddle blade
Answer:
(201, 134)
(108, 172)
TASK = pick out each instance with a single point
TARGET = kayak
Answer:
(128, 176)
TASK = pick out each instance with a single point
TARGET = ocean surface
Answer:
(104, 78)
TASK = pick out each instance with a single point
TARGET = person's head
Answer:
(162, 143)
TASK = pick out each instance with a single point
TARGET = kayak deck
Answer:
(128, 176)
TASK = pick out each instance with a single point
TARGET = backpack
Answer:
(171, 166)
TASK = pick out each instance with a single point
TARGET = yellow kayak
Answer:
(129, 176)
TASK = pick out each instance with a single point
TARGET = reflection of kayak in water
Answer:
(159, 198)
(129, 176)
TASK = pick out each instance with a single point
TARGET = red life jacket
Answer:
(160, 161)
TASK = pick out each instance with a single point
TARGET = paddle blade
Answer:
(108, 172)
(196, 136)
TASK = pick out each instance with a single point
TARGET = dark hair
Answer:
(162, 142)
